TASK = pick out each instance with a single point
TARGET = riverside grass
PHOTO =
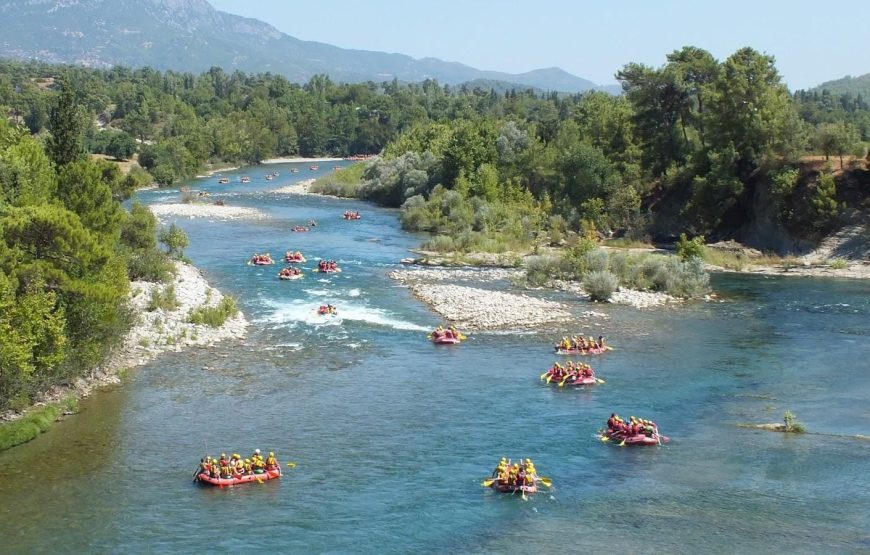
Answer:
(214, 316)
(35, 422)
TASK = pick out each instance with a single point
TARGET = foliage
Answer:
(823, 202)
(162, 299)
(838, 264)
(214, 316)
(690, 248)
(20, 431)
(791, 424)
(344, 182)
(600, 284)
(67, 125)
(175, 240)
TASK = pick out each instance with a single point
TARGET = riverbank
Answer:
(298, 160)
(300, 188)
(210, 211)
(154, 332)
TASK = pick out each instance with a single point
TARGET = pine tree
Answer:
(66, 123)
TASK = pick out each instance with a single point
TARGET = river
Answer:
(392, 436)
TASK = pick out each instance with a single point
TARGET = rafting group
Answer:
(637, 431)
(327, 309)
(228, 471)
(261, 259)
(290, 273)
(446, 336)
(518, 477)
(579, 345)
(293, 257)
(352, 215)
(571, 374)
(328, 266)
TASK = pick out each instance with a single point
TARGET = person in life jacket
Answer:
(249, 468)
(271, 462)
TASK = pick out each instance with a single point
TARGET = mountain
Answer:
(190, 35)
(848, 84)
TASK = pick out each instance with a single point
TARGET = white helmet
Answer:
(256, 451)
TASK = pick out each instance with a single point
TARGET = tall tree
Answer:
(67, 125)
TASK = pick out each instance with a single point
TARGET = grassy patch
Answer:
(165, 299)
(31, 425)
(838, 264)
(214, 316)
(341, 183)
(626, 243)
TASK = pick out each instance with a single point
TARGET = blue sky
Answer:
(589, 38)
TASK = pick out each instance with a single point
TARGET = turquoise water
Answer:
(392, 435)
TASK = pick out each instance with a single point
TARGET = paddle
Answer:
(488, 482)
(546, 481)
(565, 379)
(599, 380)
(291, 464)
(544, 374)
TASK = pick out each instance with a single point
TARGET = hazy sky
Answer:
(589, 38)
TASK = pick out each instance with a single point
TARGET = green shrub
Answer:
(214, 316)
(541, 270)
(838, 264)
(792, 425)
(600, 285)
(164, 300)
(150, 265)
(440, 243)
(687, 249)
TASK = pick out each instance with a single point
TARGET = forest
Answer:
(696, 147)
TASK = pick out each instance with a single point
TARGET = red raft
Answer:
(596, 351)
(446, 340)
(237, 479)
(498, 486)
(639, 439)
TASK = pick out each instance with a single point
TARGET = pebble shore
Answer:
(210, 211)
(473, 308)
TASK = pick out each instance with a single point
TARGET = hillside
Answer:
(852, 85)
(190, 35)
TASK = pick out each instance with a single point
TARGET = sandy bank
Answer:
(300, 160)
(155, 332)
(300, 188)
(210, 211)
(854, 270)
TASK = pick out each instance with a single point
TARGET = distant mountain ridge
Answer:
(848, 84)
(190, 35)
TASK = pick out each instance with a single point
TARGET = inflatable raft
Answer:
(289, 276)
(329, 270)
(446, 340)
(261, 262)
(639, 439)
(591, 380)
(237, 479)
(600, 351)
(292, 260)
(508, 488)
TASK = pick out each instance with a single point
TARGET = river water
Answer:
(392, 435)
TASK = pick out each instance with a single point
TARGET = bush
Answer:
(164, 300)
(541, 270)
(600, 285)
(440, 243)
(792, 425)
(838, 264)
(150, 265)
(687, 249)
(214, 316)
